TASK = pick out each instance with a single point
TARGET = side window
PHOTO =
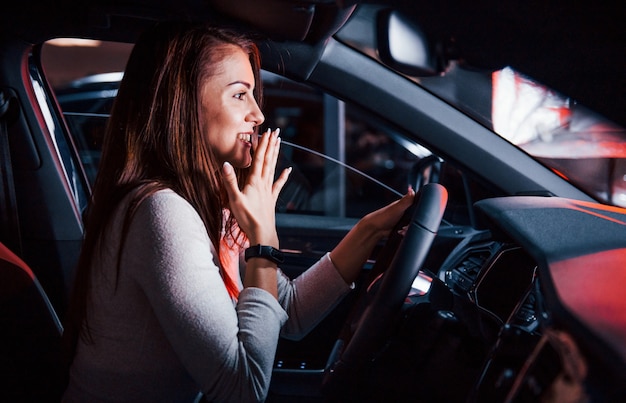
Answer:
(71, 166)
(86, 104)
(346, 163)
(85, 76)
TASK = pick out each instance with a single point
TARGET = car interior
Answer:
(507, 283)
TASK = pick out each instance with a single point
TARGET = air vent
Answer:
(462, 276)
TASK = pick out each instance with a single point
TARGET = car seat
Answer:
(31, 368)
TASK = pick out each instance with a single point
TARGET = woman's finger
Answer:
(271, 156)
(259, 154)
(280, 182)
(230, 181)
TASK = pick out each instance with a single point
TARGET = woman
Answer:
(159, 311)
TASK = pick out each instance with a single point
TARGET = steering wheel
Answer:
(375, 315)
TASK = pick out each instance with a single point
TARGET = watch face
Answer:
(277, 255)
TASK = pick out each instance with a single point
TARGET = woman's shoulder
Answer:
(165, 197)
(166, 204)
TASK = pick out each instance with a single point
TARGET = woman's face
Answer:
(229, 111)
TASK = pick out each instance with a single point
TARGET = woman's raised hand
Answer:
(254, 205)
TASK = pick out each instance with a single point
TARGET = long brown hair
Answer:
(154, 141)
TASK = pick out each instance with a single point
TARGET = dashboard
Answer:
(540, 283)
(528, 308)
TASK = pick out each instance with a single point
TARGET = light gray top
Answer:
(167, 329)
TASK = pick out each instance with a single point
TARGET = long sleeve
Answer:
(163, 326)
(228, 350)
(310, 296)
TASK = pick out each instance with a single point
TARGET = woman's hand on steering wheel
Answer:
(384, 219)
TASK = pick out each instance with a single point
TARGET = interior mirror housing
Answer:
(404, 47)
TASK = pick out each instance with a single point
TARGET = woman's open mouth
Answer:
(247, 137)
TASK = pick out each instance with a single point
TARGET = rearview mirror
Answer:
(403, 46)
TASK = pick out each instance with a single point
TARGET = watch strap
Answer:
(266, 252)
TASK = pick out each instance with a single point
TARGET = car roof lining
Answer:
(573, 48)
(312, 21)
(289, 34)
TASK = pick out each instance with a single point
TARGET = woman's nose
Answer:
(256, 115)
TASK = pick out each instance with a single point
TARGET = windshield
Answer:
(576, 143)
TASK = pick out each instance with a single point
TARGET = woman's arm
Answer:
(308, 298)
(356, 247)
(254, 208)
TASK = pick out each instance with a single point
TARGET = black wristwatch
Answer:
(265, 252)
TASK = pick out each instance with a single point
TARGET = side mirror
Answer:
(405, 48)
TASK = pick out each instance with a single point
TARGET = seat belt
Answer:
(9, 223)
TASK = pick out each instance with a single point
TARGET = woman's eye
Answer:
(240, 95)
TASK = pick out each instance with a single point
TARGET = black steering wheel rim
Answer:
(392, 289)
